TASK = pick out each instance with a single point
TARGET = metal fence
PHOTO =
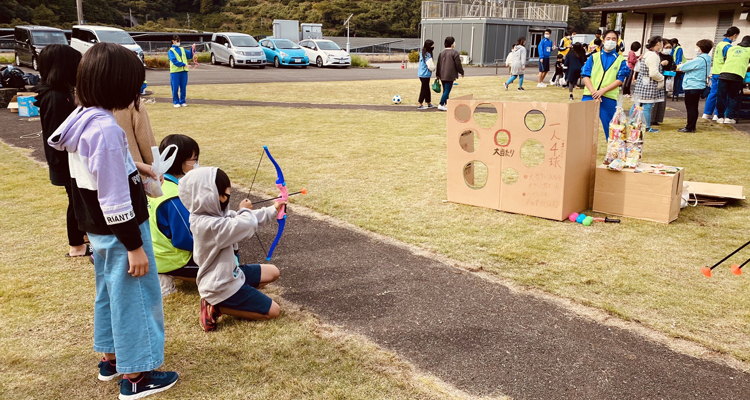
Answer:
(163, 47)
(495, 9)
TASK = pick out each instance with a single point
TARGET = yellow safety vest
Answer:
(168, 257)
(591, 44)
(738, 58)
(601, 78)
(718, 63)
(566, 43)
(180, 57)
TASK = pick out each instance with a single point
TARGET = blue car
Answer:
(284, 52)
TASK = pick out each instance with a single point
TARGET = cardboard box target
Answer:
(537, 159)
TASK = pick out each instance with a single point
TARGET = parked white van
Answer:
(86, 36)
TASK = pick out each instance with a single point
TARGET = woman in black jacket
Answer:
(58, 65)
(574, 61)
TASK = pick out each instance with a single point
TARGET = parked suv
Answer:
(86, 36)
(236, 49)
(29, 41)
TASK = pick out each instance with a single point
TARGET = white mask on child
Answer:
(698, 51)
(610, 45)
(195, 166)
(546, 36)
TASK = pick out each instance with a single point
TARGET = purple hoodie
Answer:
(108, 195)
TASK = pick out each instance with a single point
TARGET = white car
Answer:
(85, 37)
(324, 53)
(236, 49)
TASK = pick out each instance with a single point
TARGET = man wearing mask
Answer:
(545, 49)
(566, 43)
(603, 74)
(178, 70)
(720, 56)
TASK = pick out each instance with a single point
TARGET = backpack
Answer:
(31, 79)
(12, 78)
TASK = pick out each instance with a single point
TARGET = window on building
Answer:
(657, 24)
(726, 18)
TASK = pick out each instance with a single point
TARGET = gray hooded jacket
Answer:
(215, 232)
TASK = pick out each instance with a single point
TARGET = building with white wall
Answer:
(687, 20)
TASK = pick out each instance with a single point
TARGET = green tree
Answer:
(7, 10)
(44, 16)
(207, 6)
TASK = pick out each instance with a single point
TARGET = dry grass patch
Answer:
(46, 311)
(385, 172)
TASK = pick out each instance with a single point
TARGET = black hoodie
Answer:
(54, 108)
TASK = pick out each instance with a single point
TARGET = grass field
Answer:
(46, 311)
(636, 270)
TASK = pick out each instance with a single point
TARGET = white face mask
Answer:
(196, 166)
(610, 45)
(177, 44)
(666, 52)
(546, 36)
(698, 51)
(572, 36)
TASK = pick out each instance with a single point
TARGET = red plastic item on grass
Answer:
(736, 269)
(303, 191)
(572, 217)
(706, 271)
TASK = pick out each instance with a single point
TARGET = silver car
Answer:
(237, 50)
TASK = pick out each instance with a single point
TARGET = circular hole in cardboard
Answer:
(510, 176)
(475, 174)
(532, 153)
(463, 113)
(502, 138)
(534, 120)
(469, 141)
(486, 115)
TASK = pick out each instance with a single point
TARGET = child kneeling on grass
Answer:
(110, 206)
(225, 286)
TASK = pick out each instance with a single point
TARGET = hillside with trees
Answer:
(372, 18)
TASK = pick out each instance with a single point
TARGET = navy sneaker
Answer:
(149, 383)
(108, 370)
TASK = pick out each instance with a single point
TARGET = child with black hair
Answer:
(225, 286)
(559, 70)
(58, 64)
(110, 206)
(170, 220)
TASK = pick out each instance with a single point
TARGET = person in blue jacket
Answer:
(170, 220)
(425, 73)
(545, 49)
(719, 56)
(178, 69)
(678, 55)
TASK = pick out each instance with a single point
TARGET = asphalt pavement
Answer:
(477, 335)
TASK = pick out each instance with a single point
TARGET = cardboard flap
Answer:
(716, 190)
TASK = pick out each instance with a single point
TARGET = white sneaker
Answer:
(183, 105)
(442, 108)
(540, 85)
(176, 106)
(706, 116)
(716, 118)
(729, 121)
(719, 120)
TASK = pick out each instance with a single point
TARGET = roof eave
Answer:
(610, 8)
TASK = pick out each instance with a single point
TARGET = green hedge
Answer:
(162, 61)
(358, 61)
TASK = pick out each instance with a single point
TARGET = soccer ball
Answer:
(396, 99)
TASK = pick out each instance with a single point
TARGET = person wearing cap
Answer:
(720, 56)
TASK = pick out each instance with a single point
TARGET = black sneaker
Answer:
(520, 88)
(108, 370)
(149, 383)
(686, 130)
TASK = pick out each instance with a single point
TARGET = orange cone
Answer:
(403, 64)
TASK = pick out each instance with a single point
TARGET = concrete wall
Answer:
(461, 31)
(698, 22)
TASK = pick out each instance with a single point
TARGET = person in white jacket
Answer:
(225, 286)
(518, 63)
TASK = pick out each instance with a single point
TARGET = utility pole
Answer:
(79, 7)
(347, 32)
(131, 17)
(188, 20)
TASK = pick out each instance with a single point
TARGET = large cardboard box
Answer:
(13, 104)
(536, 158)
(639, 195)
(26, 107)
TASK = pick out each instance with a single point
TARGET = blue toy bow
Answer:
(284, 195)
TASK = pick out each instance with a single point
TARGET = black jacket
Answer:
(449, 65)
(54, 108)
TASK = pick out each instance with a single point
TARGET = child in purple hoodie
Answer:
(110, 206)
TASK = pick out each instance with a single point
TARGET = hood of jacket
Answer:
(68, 134)
(199, 194)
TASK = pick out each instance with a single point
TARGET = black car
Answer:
(31, 39)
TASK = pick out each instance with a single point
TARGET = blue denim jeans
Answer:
(513, 78)
(728, 98)
(647, 107)
(447, 86)
(710, 106)
(128, 314)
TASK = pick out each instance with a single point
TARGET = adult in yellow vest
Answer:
(731, 81)
(169, 220)
(603, 74)
(593, 47)
(178, 69)
(720, 54)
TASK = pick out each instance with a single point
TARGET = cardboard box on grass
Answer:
(537, 158)
(26, 107)
(639, 195)
(13, 104)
